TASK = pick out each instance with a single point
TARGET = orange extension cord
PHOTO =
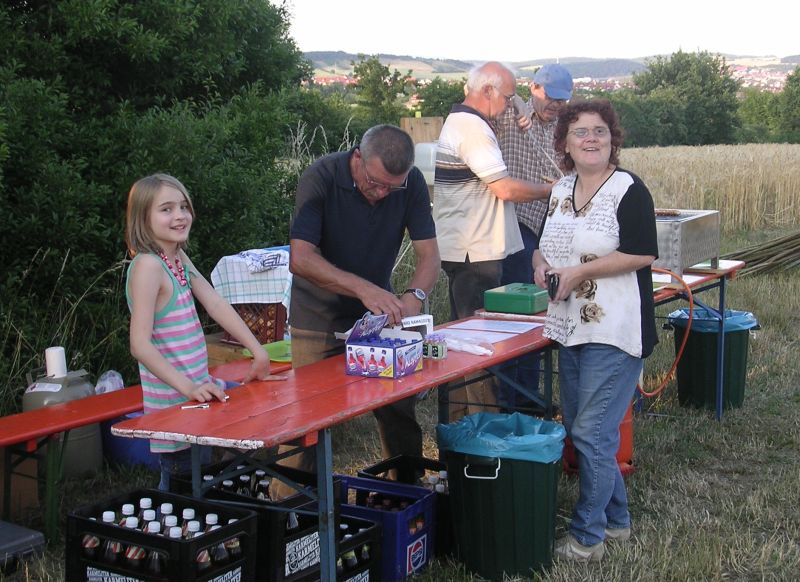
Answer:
(679, 353)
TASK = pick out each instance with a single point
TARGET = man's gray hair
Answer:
(481, 75)
(393, 147)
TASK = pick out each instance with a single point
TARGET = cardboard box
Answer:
(375, 351)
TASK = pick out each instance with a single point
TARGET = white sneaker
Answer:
(568, 548)
(618, 534)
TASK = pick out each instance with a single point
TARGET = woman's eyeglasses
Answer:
(582, 132)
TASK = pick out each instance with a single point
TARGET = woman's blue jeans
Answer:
(597, 382)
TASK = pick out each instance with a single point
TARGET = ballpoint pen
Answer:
(189, 406)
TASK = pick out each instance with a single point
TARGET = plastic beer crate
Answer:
(411, 467)
(282, 554)
(180, 556)
(408, 532)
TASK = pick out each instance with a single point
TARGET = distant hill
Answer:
(340, 63)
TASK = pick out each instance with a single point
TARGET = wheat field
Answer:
(754, 186)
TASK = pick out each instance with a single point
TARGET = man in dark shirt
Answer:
(352, 210)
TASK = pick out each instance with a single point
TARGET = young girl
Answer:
(165, 335)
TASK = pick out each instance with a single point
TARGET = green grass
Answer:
(710, 500)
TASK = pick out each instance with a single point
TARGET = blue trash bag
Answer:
(705, 321)
(507, 436)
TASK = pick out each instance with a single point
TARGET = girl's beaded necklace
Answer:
(177, 270)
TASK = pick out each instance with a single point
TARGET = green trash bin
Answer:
(503, 471)
(697, 368)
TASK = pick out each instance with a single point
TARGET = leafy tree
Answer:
(704, 84)
(789, 108)
(658, 119)
(152, 52)
(439, 96)
(380, 90)
(758, 116)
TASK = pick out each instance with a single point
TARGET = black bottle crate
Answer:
(179, 555)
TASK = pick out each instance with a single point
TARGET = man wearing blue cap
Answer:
(527, 148)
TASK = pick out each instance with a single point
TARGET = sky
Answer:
(516, 31)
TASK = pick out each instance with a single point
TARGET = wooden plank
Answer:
(422, 129)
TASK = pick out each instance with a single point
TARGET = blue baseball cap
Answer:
(556, 80)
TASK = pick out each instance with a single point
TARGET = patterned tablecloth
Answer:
(254, 276)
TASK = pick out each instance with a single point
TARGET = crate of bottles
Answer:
(432, 474)
(204, 541)
(288, 530)
(406, 515)
(358, 552)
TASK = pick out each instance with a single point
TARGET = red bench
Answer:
(23, 434)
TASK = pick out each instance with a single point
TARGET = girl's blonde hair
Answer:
(138, 232)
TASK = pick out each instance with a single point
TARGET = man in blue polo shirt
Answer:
(352, 211)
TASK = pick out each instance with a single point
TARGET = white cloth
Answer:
(235, 280)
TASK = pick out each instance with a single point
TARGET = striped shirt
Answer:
(471, 222)
(178, 336)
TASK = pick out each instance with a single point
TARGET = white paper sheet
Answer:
(502, 326)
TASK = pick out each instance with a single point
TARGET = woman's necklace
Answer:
(177, 270)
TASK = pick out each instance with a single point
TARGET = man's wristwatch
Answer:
(421, 295)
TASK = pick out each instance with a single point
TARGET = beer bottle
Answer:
(258, 475)
(443, 481)
(153, 528)
(364, 553)
(169, 522)
(148, 515)
(175, 533)
(111, 548)
(203, 557)
(90, 544)
(291, 522)
(233, 545)
(155, 563)
(219, 553)
(164, 511)
(187, 516)
(227, 485)
(134, 554)
(262, 490)
(244, 486)
(349, 557)
(127, 511)
(145, 503)
(212, 519)
(192, 529)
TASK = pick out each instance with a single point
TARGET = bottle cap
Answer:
(154, 527)
(132, 522)
(194, 526)
(212, 519)
(108, 517)
(149, 515)
(439, 488)
(228, 483)
(166, 508)
(175, 532)
(208, 477)
(232, 520)
(443, 474)
(127, 509)
(145, 503)
(188, 513)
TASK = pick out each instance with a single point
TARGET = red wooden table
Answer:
(303, 409)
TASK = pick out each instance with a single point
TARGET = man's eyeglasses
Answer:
(582, 132)
(381, 185)
(509, 98)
